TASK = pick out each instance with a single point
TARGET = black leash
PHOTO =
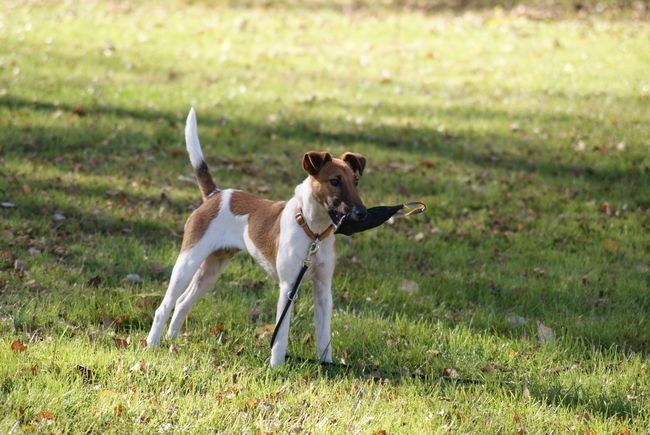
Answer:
(292, 296)
(313, 248)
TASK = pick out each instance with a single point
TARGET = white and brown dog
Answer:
(276, 233)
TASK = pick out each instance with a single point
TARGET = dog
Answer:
(277, 234)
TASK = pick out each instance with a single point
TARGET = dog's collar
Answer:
(303, 223)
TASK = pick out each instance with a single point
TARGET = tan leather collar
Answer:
(303, 223)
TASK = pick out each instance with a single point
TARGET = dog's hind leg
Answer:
(203, 280)
(186, 266)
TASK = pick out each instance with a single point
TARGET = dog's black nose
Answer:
(359, 213)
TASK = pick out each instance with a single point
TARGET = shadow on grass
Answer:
(573, 398)
(607, 183)
(554, 7)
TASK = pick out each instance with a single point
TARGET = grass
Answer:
(527, 137)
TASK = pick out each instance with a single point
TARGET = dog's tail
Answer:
(206, 183)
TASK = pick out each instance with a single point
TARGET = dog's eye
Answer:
(335, 182)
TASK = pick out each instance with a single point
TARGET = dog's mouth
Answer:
(337, 216)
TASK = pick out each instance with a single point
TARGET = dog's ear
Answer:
(313, 161)
(356, 161)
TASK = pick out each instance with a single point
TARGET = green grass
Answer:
(528, 138)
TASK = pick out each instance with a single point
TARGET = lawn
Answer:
(518, 302)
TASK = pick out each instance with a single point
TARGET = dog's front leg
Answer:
(322, 291)
(279, 349)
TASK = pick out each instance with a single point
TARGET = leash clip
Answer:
(313, 249)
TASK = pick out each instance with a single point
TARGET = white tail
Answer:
(192, 140)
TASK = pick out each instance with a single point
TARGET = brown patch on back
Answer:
(263, 221)
(198, 222)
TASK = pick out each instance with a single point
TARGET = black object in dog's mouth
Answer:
(376, 216)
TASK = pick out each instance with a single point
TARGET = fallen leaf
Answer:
(118, 410)
(254, 314)
(611, 245)
(251, 404)
(18, 346)
(539, 272)
(374, 376)
(544, 333)
(121, 342)
(44, 415)
(515, 321)
(156, 267)
(217, 329)
(142, 418)
(141, 366)
(133, 277)
(58, 216)
(379, 432)
(419, 237)
(20, 265)
(34, 251)
(449, 372)
(606, 208)
(7, 204)
(409, 286)
(264, 331)
(86, 374)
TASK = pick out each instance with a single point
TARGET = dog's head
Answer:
(334, 183)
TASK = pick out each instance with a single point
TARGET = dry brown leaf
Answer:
(86, 374)
(119, 410)
(217, 329)
(44, 415)
(264, 331)
(449, 372)
(121, 342)
(141, 366)
(18, 346)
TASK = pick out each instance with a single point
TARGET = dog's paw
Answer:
(153, 341)
(277, 360)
